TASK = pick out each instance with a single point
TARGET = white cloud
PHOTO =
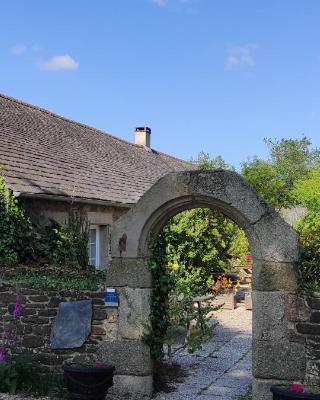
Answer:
(59, 62)
(18, 49)
(241, 55)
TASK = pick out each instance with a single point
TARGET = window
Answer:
(94, 246)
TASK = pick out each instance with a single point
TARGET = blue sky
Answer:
(209, 75)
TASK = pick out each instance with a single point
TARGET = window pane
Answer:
(93, 247)
(93, 235)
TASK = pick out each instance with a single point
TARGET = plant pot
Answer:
(87, 383)
(282, 393)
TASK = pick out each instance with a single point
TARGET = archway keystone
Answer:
(275, 248)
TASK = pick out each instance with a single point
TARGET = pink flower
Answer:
(249, 257)
(17, 308)
(3, 355)
(297, 388)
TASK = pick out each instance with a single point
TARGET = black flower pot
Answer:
(87, 383)
(281, 393)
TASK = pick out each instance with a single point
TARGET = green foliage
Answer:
(20, 241)
(16, 233)
(289, 161)
(309, 266)
(67, 243)
(21, 374)
(182, 312)
(62, 277)
(205, 162)
(307, 189)
(159, 301)
(204, 238)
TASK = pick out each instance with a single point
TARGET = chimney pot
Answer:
(142, 136)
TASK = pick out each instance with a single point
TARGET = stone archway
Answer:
(275, 249)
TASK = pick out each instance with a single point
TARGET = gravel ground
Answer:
(222, 369)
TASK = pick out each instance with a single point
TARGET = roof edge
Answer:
(72, 121)
(70, 200)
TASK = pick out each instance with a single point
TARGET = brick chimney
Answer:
(142, 136)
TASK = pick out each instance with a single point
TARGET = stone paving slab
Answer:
(221, 370)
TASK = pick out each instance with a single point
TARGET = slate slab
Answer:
(72, 325)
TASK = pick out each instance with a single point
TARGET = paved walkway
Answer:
(222, 369)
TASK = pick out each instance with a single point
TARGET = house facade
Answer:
(53, 164)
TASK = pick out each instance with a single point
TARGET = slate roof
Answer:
(46, 154)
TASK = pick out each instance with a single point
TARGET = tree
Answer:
(203, 241)
(289, 161)
(307, 189)
(205, 162)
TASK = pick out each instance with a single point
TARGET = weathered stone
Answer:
(272, 276)
(47, 312)
(131, 387)
(308, 328)
(272, 239)
(315, 317)
(314, 302)
(38, 298)
(41, 329)
(279, 359)
(130, 357)
(293, 336)
(128, 272)
(111, 331)
(134, 312)
(99, 314)
(97, 330)
(55, 301)
(268, 317)
(32, 341)
(313, 349)
(313, 372)
(112, 315)
(261, 388)
(8, 298)
(34, 319)
(29, 311)
(297, 309)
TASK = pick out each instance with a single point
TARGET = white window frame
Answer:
(97, 255)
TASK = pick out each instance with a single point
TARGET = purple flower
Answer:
(3, 355)
(17, 308)
(6, 333)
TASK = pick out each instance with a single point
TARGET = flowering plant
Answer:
(297, 388)
(11, 365)
(10, 338)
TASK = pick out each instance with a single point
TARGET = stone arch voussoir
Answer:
(275, 248)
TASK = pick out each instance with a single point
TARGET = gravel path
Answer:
(222, 369)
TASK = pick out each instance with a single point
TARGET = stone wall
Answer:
(39, 310)
(303, 311)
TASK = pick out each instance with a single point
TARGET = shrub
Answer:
(309, 266)
(16, 233)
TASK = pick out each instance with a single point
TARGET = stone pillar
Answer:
(276, 358)
(128, 352)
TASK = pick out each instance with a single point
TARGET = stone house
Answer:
(52, 163)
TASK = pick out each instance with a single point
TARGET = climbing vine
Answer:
(163, 283)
